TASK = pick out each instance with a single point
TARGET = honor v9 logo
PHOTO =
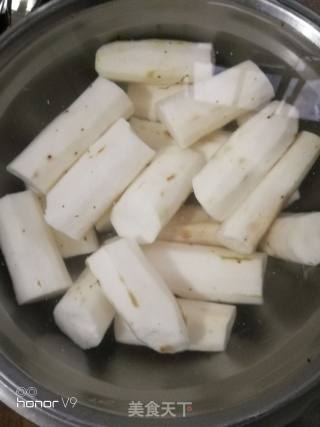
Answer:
(27, 398)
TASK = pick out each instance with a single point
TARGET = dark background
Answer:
(311, 418)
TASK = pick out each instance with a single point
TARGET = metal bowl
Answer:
(274, 353)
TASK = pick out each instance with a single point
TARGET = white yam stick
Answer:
(294, 237)
(209, 325)
(203, 233)
(157, 137)
(152, 133)
(123, 333)
(156, 195)
(245, 159)
(33, 259)
(84, 314)
(245, 117)
(210, 144)
(39, 195)
(190, 214)
(89, 188)
(207, 273)
(103, 225)
(139, 295)
(245, 228)
(65, 139)
(70, 248)
(211, 104)
(146, 97)
(155, 62)
(292, 199)
(191, 224)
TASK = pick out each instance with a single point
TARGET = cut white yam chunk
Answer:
(203, 233)
(156, 195)
(155, 62)
(294, 198)
(103, 225)
(40, 195)
(152, 133)
(139, 295)
(245, 228)
(209, 325)
(245, 117)
(123, 333)
(190, 214)
(245, 159)
(207, 273)
(65, 139)
(209, 105)
(146, 97)
(33, 259)
(191, 224)
(84, 314)
(294, 237)
(89, 188)
(210, 144)
(157, 137)
(70, 248)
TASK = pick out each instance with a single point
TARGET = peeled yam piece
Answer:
(245, 117)
(103, 225)
(203, 233)
(210, 144)
(31, 253)
(209, 273)
(66, 138)
(70, 248)
(292, 199)
(152, 133)
(123, 333)
(139, 295)
(90, 187)
(155, 62)
(156, 195)
(209, 105)
(245, 228)
(157, 137)
(190, 214)
(191, 224)
(146, 97)
(294, 237)
(84, 314)
(240, 165)
(209, 325)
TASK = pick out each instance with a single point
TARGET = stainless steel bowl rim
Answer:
(295, 16)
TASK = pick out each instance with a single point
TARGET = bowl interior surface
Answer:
(272, 346)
